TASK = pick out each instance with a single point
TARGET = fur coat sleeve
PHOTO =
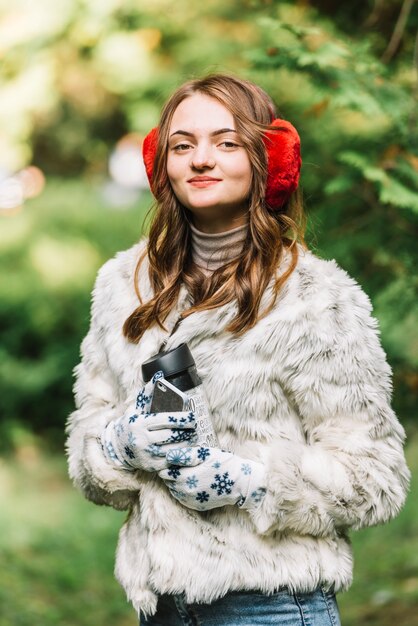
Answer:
(98, 401)
(350, 469)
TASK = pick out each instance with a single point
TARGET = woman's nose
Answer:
(202, 156)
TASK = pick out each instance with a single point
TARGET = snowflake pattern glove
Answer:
(141, 440)
(204, 478)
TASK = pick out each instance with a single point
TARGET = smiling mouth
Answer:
(203, 181)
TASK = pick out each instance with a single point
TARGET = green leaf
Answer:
(390, 190)
(394, 192)
(339, 184)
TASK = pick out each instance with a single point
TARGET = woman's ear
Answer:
(283, 163)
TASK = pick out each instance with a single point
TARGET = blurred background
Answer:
(81, 83)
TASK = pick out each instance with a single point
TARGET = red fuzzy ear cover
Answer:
(149, 150)
(283, 161)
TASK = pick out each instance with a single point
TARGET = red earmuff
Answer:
(283, 163)
(149, 150)
(283, 159)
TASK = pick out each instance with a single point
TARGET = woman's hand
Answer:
(204, 478)
(141, 440)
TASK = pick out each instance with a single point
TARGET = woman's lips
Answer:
(203, 181)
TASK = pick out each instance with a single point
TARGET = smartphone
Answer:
(167, 397)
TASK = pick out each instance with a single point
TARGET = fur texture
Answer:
(306, 391)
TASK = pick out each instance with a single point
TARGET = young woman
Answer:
(253, 531)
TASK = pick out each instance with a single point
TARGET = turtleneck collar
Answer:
(212, 250)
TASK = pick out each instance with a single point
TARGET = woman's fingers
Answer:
(183, 420)
(172, 435)
(188, 457)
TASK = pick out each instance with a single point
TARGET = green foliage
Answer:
(389, 189)
(75, 80)
(49, 255)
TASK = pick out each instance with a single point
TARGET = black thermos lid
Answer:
(173, 363)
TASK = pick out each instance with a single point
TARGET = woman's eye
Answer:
(181, 147)
(229, 144)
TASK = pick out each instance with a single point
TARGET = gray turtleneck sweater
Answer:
(212, 250)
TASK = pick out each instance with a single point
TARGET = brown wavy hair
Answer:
(270, 233)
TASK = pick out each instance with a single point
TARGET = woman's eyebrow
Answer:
(221, 131)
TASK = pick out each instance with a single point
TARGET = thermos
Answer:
(179, 368)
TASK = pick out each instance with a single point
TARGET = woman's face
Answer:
(207, 165)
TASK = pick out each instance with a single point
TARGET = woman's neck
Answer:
(212, 250)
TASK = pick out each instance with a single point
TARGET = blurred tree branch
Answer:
(398, 32)
(374, 16)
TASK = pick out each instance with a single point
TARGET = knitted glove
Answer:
(205, 478)
(141, 440)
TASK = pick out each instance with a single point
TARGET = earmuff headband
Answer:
(283, 161)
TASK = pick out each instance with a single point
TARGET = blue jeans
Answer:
(318, 608)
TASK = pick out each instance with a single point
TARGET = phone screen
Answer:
(167, 398)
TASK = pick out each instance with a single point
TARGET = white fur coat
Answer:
(306, 392)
